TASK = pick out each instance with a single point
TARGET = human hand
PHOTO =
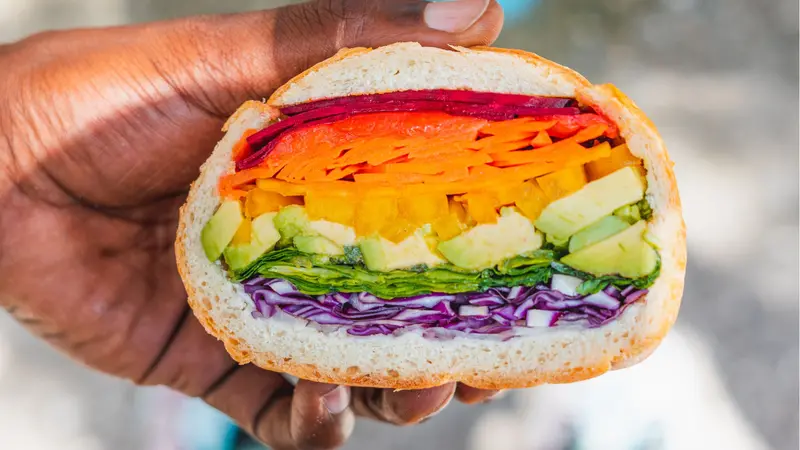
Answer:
(104, 129)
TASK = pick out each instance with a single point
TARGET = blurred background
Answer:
(720, 79)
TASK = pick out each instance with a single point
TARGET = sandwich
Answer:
(406, 216)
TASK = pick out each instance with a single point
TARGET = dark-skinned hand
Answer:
(101, 133)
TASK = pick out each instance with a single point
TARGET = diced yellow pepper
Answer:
(562, 183)
(423, 209)
(447, 227)
(532, 200)
(482, 207)
(398, 230)
(339, 207)
(243, 233)
(506, 194)
(373, 213)
(260, 202)
(460, 213)
(620, 157)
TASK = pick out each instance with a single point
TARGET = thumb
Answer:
(221, 61)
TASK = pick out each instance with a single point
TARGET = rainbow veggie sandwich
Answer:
(406, 216)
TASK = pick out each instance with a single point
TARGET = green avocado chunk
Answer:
(263, 238)
(383, 255)
(606, 227)
(568, 215)
(488, 245)
(625, 253)
(629, 213)
(318, 245)
(219, 231)
(292, 221)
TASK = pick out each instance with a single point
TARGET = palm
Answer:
(108, 201)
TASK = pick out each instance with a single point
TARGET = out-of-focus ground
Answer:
(720, 79)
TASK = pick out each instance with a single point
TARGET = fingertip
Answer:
(321, 415)
(487, 29)
(471, 396)
(414, 406)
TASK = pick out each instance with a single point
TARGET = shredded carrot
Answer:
(235, 180)
(491, 142)
(541, 140)
(551, 153)
(384, 156)
(390, 178)
(432, 166)
(233, 194)
(339, 173)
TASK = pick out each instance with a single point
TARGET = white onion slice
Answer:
(566, 284)
(540, 318)
(472, 311)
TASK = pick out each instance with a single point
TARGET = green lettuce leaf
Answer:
(594, 284)
(317, 275)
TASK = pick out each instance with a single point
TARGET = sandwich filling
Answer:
(442, 211)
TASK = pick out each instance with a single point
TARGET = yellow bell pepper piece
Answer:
(398, 230)
(260, 202)
(423, 209)
(482, 206)
(458, 211)
(373, 213)
(563, 182)
(620, 157)
(243, 233)
(531, 200)
(447, 227)
(339, 207)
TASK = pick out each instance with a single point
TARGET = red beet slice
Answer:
(439, 95)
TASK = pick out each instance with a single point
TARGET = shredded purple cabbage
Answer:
(495, 312)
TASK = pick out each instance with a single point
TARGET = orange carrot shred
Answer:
(541, 140)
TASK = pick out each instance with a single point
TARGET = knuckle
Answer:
(349, 19)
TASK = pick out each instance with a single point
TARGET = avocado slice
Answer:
(291, 221)
(318, 245)
(383, 255)
(567, 216)
(263, 238)
(625, 253)
(606, 227)
(488, 245)
(341, 235)
(219, 231)
(629, 213)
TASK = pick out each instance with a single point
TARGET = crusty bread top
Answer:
(409, 66)
(557, 355)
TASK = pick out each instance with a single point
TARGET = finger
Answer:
(401, 407)
(471, 395)
(317, 416)
(307, 416)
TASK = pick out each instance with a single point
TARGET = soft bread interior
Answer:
(409, 66)
(556, 355)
